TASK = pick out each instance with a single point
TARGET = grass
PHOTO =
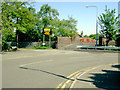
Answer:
(113, 49)
(37, 47)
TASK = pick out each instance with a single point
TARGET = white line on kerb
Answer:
(35, 63)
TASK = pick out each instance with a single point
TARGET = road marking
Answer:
(113, 63)
(22, 57)
(83, 74)
(72, 74)
(88, 71)
(59, 85)
(63, 85)
(34, 63)
(69, 80)
(67, 77)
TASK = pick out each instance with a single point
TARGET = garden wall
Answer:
(31, 44)
(64, 41)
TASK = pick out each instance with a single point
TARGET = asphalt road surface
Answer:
(51, 68)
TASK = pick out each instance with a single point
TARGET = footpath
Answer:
(101, 77)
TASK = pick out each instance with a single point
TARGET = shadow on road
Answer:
(116, 66)
(48, 73)
(108, 80)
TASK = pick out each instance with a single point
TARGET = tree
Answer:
(20, 17)
(72, 27)
(47, 14)
(109, 24)
(86, 36)
(93, 36)
(45, 17)
(7, 24)
(17, 20)
(65, 28)
(23, 19)
(81, 34)
(20, 22)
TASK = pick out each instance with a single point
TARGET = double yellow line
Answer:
(77, 74)
(73, 76)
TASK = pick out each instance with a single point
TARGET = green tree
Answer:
(71, 26)
(93, 36)
(86, 36)
(65, 28)
(109, 24)
(48, 18)
(17, 20)
(23, 18)
(47, 14)
(44, 19)
(7, 24)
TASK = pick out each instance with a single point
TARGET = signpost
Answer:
(47, 32)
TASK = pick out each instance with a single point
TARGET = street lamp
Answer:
(96, 20)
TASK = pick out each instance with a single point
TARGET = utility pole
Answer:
(96, 21)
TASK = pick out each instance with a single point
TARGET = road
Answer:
(50, 68)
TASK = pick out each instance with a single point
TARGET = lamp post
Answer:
(96, 20)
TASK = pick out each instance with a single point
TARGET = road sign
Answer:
(47, 31)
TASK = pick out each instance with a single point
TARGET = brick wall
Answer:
(63, 41)
(30, 44)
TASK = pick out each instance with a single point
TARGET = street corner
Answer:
(103, 77)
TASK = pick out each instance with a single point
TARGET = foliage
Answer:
(93, 36)
(19, 19)
(86, 36)
(49, 19)
(7, 24)
(65, 28)
(46, 15)
(16, 19)
(5, 45)
(109, 24)
(39, 47)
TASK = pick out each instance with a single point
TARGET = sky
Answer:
(86, 17)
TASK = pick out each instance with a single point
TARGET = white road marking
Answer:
(81, 75)
(35, 63)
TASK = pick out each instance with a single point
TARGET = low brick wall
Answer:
(31, 44)
(64, 41)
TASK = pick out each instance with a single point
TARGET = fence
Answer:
(31, 44)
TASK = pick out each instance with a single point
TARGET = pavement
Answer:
(60, 69)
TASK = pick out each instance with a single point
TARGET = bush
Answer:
(5, 45)
(117, 42)
(39, 47)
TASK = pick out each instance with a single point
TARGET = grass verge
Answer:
(37, 47)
